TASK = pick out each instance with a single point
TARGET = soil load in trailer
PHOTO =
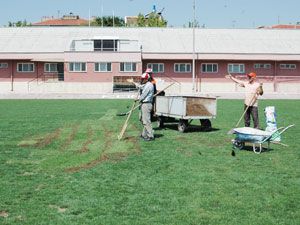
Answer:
(185, 109)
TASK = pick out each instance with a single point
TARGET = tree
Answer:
(108, 21)
(18, 24)
(151, 20)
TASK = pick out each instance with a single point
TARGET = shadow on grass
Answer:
(190, 129)
(249, 148)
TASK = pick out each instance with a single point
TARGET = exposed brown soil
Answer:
(197, 110)
(105, 156)
(85, 145)
(70, 138)
(3, 214)
(48, 139)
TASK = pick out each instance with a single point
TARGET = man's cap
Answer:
(145, 76)
(148, 70)
(252, 74)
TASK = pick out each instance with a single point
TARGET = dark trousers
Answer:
(253, 111)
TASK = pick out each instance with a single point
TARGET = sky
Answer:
(209, 13)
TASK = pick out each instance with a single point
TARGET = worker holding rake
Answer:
(146, 100)
(252, 90)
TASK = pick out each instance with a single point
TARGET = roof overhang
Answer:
(221, 56)
(36, 57)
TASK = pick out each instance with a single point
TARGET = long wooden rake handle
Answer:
(126, 122)
(250, 103)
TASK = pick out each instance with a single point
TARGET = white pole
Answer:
(113, 18)
(102, 13)
(89, 17)
(194, 69)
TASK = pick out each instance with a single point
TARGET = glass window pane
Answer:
(102, 67)
(83, 67)
(128, 67)
(215, 68)
(176, 67)
(96, 65)
(188, 68)
(133, 66)
(108, 66)
(77, 66)
(161, 67)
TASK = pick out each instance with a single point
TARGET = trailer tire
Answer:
(182, 125)
(205, 124)
(160, 122)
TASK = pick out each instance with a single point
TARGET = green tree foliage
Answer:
(18, 24)
(108, 21)
(152, 20)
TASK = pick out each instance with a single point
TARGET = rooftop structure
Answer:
(66, 20)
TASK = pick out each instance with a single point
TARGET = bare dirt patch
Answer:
(48, 139)
(58, 208)
(3, 214)
(89, 141)
(71, 137)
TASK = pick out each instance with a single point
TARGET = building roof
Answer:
(156, 40)
(282, 26)
(66, 20)
(286, 26)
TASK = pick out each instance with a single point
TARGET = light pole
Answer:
(194, 55)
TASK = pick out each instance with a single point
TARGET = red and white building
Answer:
(97, 60)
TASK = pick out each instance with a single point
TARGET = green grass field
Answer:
(61, 163)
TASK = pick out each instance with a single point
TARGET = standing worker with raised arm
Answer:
(252, 90)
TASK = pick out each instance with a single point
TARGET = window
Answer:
(50, 67)
(102, 67)
(182, 67)
(3, 65)
(236, 68)
(25, 67)
(127, 67)
(77, 67)
(262, 66)
(106, 45)
(209, 67)
(288, 66)
(156, 67)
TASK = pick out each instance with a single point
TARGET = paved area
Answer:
(229, 95)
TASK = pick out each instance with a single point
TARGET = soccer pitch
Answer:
(61, 163)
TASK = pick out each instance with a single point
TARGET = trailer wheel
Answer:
(160, 122)
(182, 125)
(205, 124)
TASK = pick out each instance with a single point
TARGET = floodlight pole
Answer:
(194, 56)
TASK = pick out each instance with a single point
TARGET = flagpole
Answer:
(194, 55)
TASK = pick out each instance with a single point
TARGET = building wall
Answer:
(222, 69)
(91, 76)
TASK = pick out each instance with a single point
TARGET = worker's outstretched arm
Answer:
(240, 82)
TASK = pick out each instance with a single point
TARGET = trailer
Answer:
(184, 109)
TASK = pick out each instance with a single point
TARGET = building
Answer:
(98, 60)
(282, 26)
(66, 20)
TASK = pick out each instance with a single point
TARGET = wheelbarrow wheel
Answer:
(160, 122)
(182, 125)
(238, 144)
